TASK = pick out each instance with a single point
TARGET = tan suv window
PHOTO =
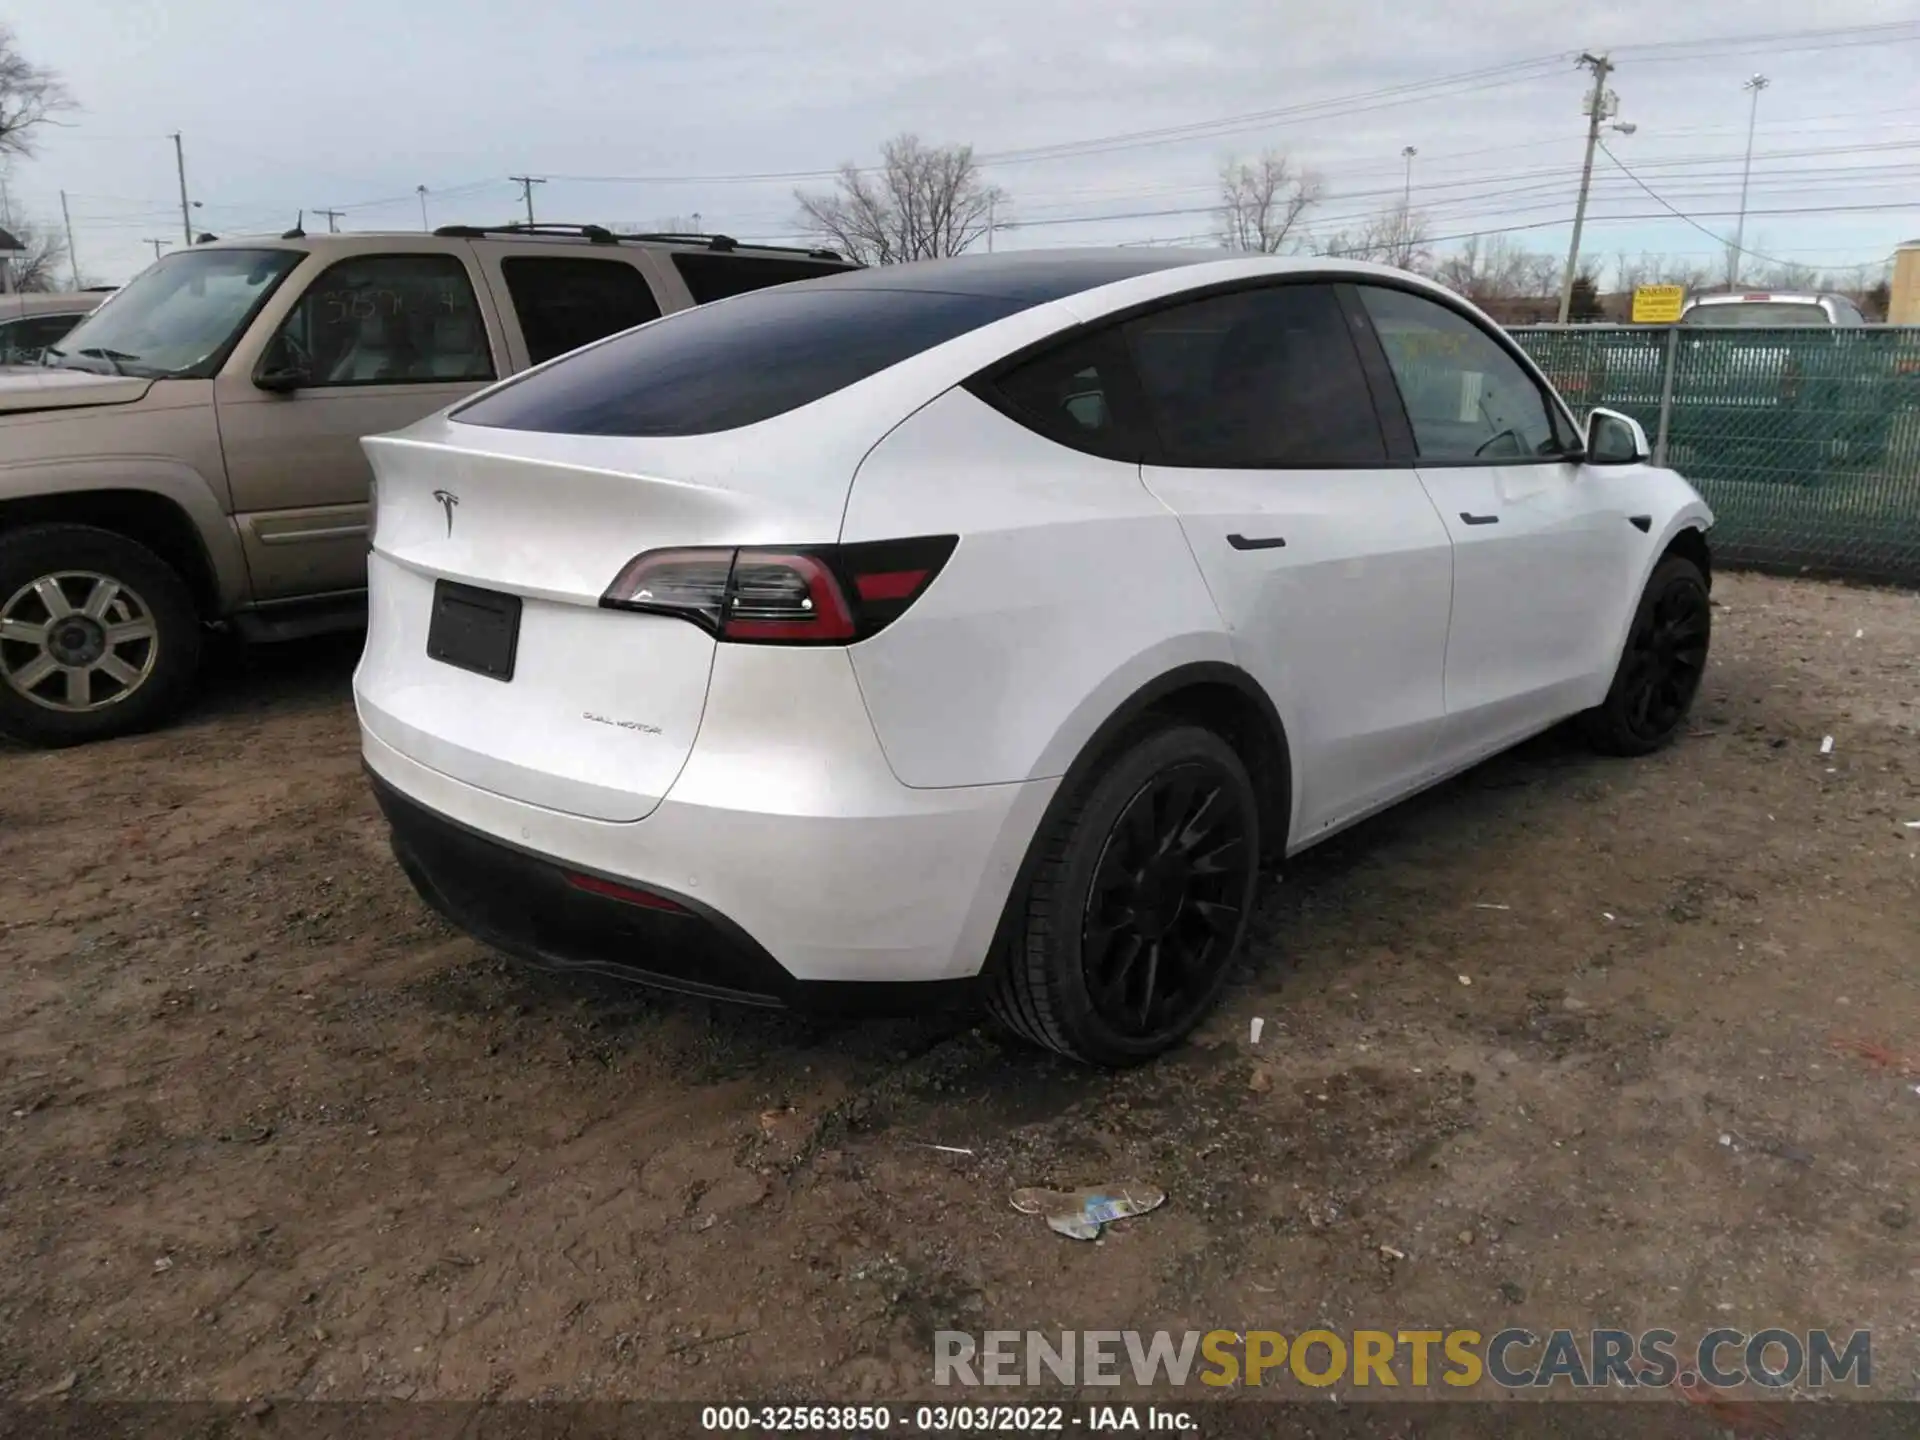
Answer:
(387, 320)
(565, 301)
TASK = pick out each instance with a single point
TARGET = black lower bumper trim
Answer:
(520, 903)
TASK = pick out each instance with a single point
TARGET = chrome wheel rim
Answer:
(77, 641)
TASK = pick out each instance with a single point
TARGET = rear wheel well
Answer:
(1256, 737)
(141, 516)
(1691, 544)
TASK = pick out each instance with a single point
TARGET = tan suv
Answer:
(190, 453)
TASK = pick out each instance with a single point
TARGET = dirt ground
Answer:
(1585, 1042)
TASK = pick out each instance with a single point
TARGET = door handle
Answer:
(1268, 542)
(1473, 519)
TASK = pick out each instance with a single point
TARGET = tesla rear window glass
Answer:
(718, 367)
(714, 277)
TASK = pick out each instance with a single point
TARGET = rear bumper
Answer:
(853, 911)
(524, 905)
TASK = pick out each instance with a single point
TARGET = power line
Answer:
(1732, 245)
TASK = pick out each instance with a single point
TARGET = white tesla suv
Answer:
(982, 623)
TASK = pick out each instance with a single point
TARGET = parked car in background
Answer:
(1766, 310)
(984, 621)
(192, 454)
(33, 320)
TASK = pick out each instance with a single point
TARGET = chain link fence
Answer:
(1805, 441)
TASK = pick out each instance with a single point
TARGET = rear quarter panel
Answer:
(1070, 589)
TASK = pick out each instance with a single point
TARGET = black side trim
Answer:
(1388, 403)
(1271, 542)
(1642, 523)
(1470, 518)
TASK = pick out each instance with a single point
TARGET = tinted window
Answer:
(1466, 397)
(386, 320)
(564, 303)
(714, 276)
(21, 341)
(717, 367)
(1260, 377)
(1757, 314)
(1077, 393)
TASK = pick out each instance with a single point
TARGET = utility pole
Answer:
(1406, 196)
(526, 184)
(1754, 85)
(156, 244)
(180, 167)
(1601, 104)
(333, 219)
(73, 256)
(421, 191)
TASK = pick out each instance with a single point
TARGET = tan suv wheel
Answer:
(98, 635)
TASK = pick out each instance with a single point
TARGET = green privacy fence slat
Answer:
(1806, 442)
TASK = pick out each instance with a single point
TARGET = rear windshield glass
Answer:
(743, 360)
(1757, 315)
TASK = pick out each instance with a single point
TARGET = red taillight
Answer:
(594, 885)
(820, 595)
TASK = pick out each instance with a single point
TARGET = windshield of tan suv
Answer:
(1757, 315)
(178, 318)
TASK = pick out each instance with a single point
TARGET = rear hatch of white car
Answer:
(552, 560)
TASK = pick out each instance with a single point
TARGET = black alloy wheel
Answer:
(1137, 907)
(1662, 666)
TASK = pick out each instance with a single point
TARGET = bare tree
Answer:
(922, 203)
(1398, 238)
(1261, 202)
(1492, 267)
(43, 266)
(30, 96)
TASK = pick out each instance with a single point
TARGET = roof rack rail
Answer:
(727, 242)
(598, 234)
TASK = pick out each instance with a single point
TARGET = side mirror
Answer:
(280, 382)
(1615, 439)
(281, 370)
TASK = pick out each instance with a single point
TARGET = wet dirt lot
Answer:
(1567, 1042)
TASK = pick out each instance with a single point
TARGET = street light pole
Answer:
(1406, 195)
(1754, 86)
(1597, 111)
(421, 191)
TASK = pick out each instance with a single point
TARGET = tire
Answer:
(1072, 974)
(1660, 667)
(130, 683)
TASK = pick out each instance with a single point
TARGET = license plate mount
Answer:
(474, 629)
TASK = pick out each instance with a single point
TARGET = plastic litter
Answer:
(1080, 1214)
(1483, 905)
(1466, 979)
(1254, 1029)
(1826, 746)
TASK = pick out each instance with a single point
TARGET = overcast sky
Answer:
(353, 104)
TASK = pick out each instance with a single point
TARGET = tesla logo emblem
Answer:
(447, 501)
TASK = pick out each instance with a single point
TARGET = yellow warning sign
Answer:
(1658, 304)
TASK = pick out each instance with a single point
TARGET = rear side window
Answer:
(720, 367)
(1081, 394)
(566, 302)
(714, 276)
(1263, 378)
